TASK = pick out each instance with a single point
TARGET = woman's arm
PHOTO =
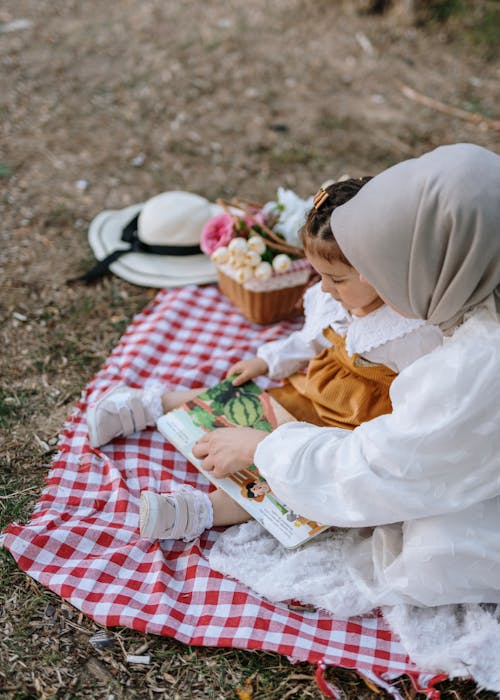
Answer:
(438, 452)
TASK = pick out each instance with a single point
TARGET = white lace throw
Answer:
(459, 640)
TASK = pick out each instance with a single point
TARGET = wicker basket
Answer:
(272, 300)
(265, 305)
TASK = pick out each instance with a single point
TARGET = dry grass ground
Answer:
(221, 98)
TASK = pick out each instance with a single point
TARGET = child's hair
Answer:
(317, 235)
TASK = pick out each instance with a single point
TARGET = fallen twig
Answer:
(18, 493)
(473, 117)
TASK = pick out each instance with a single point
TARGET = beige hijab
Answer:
(426, 232)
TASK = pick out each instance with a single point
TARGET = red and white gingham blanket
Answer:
(83, 542)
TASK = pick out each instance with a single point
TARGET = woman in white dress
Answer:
(425, 479)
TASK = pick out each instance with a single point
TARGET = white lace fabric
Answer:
(199, 511)
(151, 398)
(364, 333)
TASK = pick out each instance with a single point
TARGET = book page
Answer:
(228, 406)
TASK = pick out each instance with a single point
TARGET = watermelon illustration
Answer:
(245, 409)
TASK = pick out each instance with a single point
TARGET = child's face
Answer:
(345, 285)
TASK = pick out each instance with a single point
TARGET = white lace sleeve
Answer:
(291, 354)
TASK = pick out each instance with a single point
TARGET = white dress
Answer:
(426, 478)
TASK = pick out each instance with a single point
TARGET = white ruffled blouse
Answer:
(382, 337)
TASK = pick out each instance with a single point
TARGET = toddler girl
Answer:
(352, 344)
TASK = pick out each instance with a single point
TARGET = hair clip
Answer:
(319, 198)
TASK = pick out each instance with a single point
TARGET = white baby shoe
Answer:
(182, 514)
(121, 411)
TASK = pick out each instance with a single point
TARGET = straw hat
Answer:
(155, 243)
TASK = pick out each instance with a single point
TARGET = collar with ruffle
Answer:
(364, 333)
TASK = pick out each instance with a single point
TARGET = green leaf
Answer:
(256, 229)
(205, 395)
(202, 418)
(241, 226)
(250, 387)
(218, 407)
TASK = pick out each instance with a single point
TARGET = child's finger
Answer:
(234, 369)
(240, 379)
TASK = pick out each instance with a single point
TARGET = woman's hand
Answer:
(227, 450)
(247, 369)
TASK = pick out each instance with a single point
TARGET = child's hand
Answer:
(247, 369)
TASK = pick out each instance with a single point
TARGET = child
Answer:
(352, 344)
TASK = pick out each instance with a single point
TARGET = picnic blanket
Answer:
(83, 542)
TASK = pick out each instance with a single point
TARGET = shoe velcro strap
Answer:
(125, 415)
(138, 414)
(180, 527)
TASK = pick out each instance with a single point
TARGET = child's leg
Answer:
(225, 510)
(174, 399)
(186, 513)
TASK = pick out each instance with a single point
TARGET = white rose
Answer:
(281, 263)
(220, 255)
(243, 274)
(263, 271)
(257, 243)
(237, 258)
(238, 245)
(252, 258)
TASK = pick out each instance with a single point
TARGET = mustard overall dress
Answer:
(339, 390)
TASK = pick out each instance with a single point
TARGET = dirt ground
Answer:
(106, 104)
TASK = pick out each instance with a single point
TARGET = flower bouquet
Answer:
(259, 259)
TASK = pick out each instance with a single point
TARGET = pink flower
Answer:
(217, 231)
(255, 219)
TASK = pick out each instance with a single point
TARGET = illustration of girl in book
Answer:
(255, 489)
(251, 486)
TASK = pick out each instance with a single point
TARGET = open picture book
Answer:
(225, 405)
